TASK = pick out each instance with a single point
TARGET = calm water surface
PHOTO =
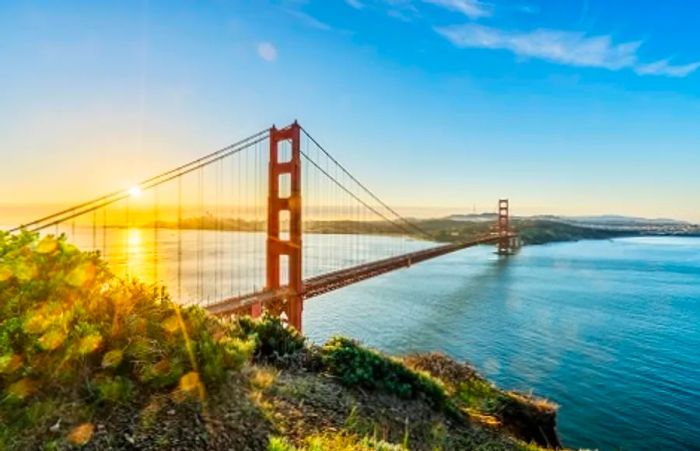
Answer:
(609, 330)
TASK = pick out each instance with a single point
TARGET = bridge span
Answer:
(230, 231)
(325, 283)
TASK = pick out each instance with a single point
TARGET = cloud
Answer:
(470, 8)
(309, 21)
(663, 67)
(563, 47)
(355, 4)
(566, 47)
(267, 51)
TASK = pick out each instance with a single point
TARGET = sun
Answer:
(135, 191)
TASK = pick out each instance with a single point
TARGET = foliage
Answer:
(273, 339)
(530, 231)
(538, 231)
(70, 330)
(361, 367)
(462, 383)
(528, 418)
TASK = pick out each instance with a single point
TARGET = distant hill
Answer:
(480, 217)
(615, 220)
(550, 228)
(619, 222)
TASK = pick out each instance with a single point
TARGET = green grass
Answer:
(334, 442)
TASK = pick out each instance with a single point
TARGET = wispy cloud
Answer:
(267, 52)
(470, 8)
(355, 4)
(309, 21)
(404, 10)
(562, 47)
(663, 67)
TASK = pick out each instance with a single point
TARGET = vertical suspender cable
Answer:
(179, 239)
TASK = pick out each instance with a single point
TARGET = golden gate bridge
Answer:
(263, 224)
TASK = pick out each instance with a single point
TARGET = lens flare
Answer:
(135, 191)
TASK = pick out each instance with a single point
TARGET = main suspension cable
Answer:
(367, 190)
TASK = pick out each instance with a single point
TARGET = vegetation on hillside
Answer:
(89, 360)
(531, 231)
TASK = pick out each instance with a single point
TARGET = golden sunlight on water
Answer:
(135, 255)
(204, 266)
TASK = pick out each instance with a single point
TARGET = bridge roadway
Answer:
(325, 283)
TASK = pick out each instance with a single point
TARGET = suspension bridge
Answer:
(263, 224)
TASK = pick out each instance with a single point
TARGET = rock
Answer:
(56, 427)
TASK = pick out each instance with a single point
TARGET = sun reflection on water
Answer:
(135, 254)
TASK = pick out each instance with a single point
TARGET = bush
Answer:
(273, 340)
(70, 330)
(361, 367)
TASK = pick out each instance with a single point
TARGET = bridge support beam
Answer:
(284, 199)
(505, 243)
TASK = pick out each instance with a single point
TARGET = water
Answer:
(207, 266)
(609, 330)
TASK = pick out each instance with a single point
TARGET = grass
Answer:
(334, 442)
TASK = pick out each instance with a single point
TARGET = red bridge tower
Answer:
(506, 244)
(284, 199)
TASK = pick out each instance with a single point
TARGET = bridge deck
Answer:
(324, 283)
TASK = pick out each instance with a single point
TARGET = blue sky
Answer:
(569, 107)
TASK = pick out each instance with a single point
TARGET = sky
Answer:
(440, 106)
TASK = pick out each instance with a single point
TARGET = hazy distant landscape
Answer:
(539, 229)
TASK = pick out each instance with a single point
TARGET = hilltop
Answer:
(90, 361)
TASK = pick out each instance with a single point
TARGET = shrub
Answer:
(273, 339)
(71, 330)
(361, 367)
